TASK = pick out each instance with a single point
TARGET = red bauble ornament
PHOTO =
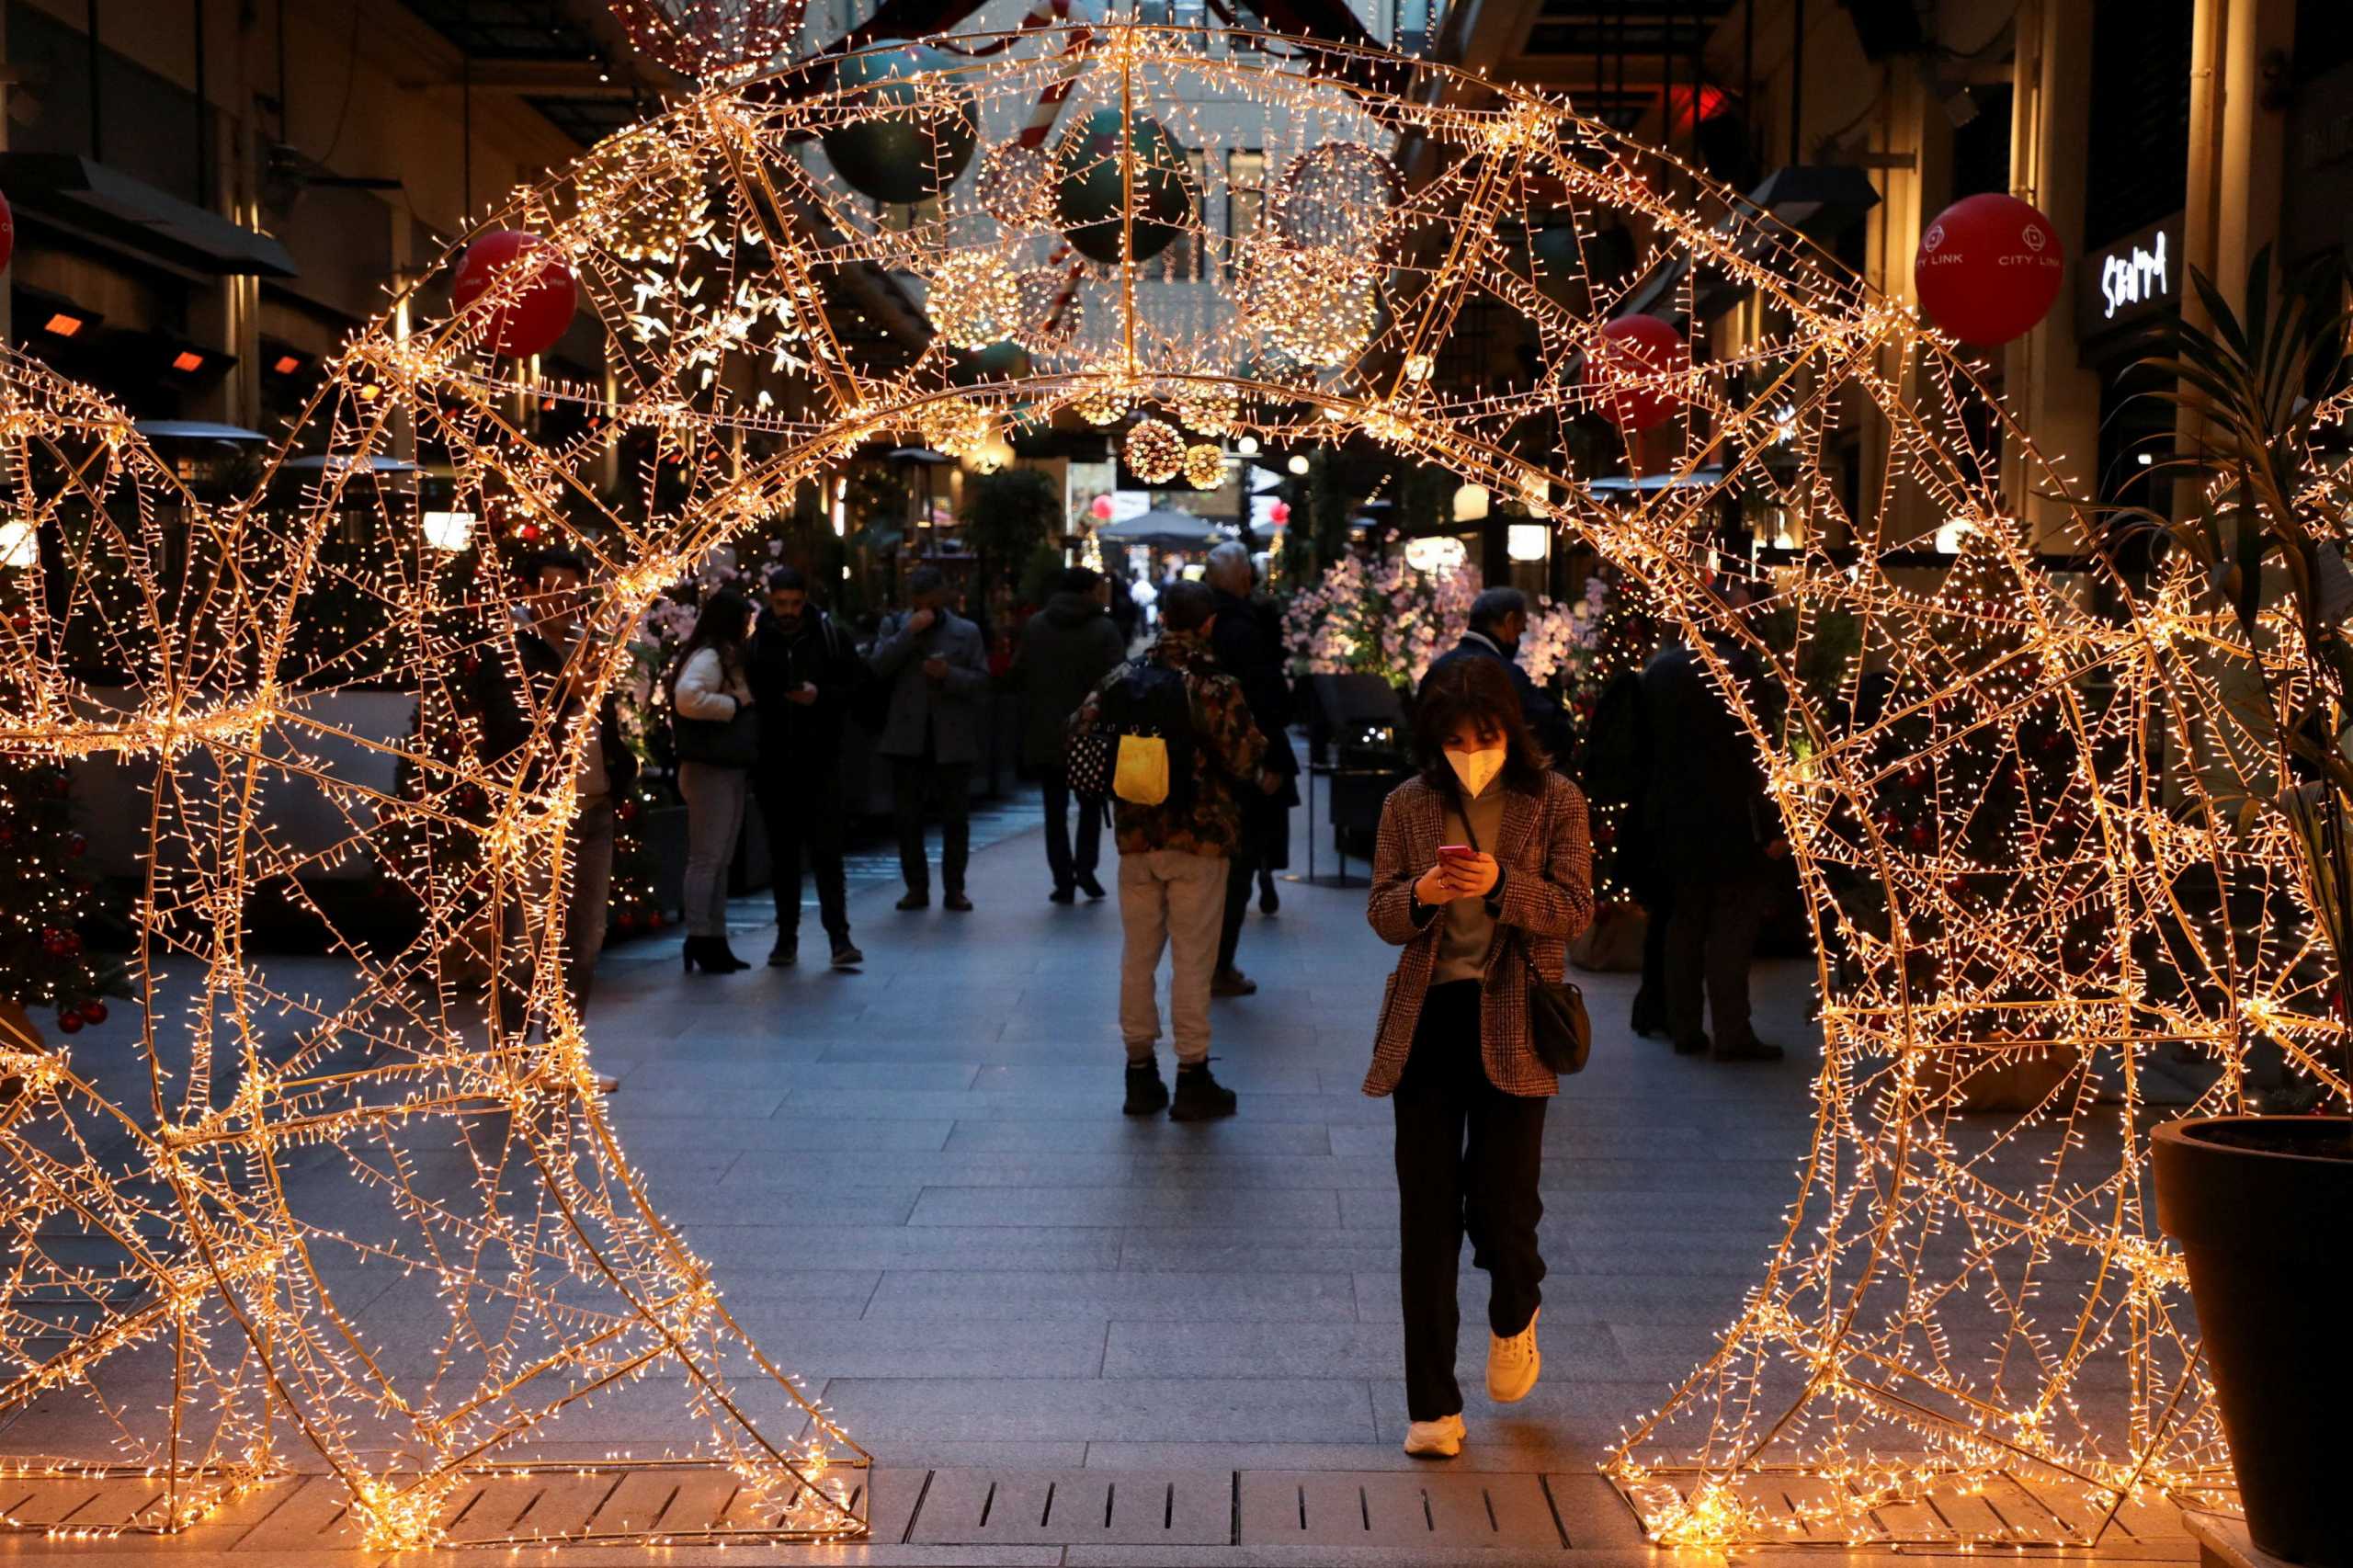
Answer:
(1631, 367)
(1278, 514)
(625, 921)
(8, 231)
(543, 303)
(654, 921)
(1989, 269)
(70, 1019)
(94, 1011)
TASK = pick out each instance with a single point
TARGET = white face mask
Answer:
(1477, 769)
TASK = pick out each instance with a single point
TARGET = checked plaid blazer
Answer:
(1546, 863)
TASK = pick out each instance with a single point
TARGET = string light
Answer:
(2013, 875)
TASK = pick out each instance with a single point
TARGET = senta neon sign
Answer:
(2133, 276)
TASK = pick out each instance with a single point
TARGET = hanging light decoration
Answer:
(1156, 452)
(1048, 311)
(908, 123)
(1318, 307)
(1204, 466)
(974, 300)
(646, 192)
(1015, 186)
(1106, 397)
(1209, 409)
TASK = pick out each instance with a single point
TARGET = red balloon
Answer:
(1989, 269)
(1637, 360)
(1100, 509)
(1279, 514)
(543, 301)
(8, 231)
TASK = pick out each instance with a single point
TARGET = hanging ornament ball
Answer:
(94, 1011)
(1635, 367)
(1105, 401)
(1016, 185)
(1204, 466)
(1318, 307)
(1100, 508)
(974, 300)
(1336, 195)
(70, 1019)
(537, 298)
(1095, 167)
(1156, 452)
(1049, 313)
(1989, 269)
(1557, 262)
(712, 40)
(997, 362)
(1213, 410)
(1279, 514)
(7, 230)
(908, 125)
(643, 194)
(954, 426)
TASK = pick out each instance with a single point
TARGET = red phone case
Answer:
(1457, 851)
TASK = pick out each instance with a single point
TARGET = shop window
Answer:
(2138, 146)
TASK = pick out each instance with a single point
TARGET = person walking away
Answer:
(1244, 652)
(1173, 855)
(1714, 835)
(804, 672)
(1126, 614)
(550, 670)
(714, 722)
(1482, 873)
(1616, 770)
(1066, 648)
(937, 669)
(1499, 619)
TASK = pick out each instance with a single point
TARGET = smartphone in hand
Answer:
(1457, 852)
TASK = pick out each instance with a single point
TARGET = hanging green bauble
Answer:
(1090, 183)
(1558, 261)
(915, 126)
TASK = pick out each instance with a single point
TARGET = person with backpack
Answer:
(804, 672)
(1173, 732)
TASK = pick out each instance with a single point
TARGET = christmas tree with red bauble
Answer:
(44, 898)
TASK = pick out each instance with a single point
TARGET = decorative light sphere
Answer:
(954, 426)
(1154, 451)
(1336, 195)
(710, 39)
(536, 297)
(1210, 410)
(1989, 269)
(1319, 307)
(1016, 186)
(1105, 401)
(1204, 466)
(908, 126)
(974, 300)
(1048, 313)
(645, 192)
(1099, 164)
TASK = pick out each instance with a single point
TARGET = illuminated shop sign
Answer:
(2135, 277)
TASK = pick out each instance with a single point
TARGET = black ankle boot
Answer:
(1200, 1098)
(1146, 1092)
(721, 958)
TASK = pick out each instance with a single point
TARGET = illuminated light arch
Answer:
(2003, 880)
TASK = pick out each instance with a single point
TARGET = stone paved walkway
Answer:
(916, 1186)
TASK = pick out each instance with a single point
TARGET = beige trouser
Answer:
(1173, 900)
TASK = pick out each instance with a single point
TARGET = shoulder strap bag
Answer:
(1559, 1031)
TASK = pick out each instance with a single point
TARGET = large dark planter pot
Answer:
(2263, 1208)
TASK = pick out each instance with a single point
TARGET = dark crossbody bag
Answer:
(1558, 1030)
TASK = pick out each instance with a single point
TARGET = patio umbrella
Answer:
(1163, 527)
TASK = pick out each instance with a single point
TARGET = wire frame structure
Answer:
(2028, 880)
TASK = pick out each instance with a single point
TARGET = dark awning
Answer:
(104, 204)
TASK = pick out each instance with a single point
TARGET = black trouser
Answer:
(1243, 865)
(1711, 937)
(1650, 996)
(1468, 1159)
(804, 817)
(950, 787)
(1067, 868)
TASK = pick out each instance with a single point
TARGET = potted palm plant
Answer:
(2260, 1202)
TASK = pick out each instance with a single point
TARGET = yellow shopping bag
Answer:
(1141, 773)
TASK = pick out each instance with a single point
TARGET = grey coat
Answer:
(950, 714)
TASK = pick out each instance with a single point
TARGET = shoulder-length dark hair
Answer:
(721, 627)
(1476, 694)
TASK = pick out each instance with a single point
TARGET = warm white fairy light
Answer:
(1967, 773)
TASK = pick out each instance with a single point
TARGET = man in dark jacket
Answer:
(1066, 648)
(1498, 616)
(803, 671)
(1238, 637)
(937, 668)
(526, 691)
(1714, 835)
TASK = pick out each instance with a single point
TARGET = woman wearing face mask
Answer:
(1483, 867)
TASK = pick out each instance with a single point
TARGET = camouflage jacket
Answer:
(1227, 750)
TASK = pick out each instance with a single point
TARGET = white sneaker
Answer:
(1512, 1364)
(1441, 1438)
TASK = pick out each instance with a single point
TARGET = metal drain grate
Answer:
(1396, 1509)
(1076, 1507)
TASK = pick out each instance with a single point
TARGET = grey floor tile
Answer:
(1277, 1211)
(1252, 1410)
(1146, 1135)
(971, 1249)
(1227, 1349)
(1103, 1296)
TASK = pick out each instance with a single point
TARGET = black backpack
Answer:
(1144, 699)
